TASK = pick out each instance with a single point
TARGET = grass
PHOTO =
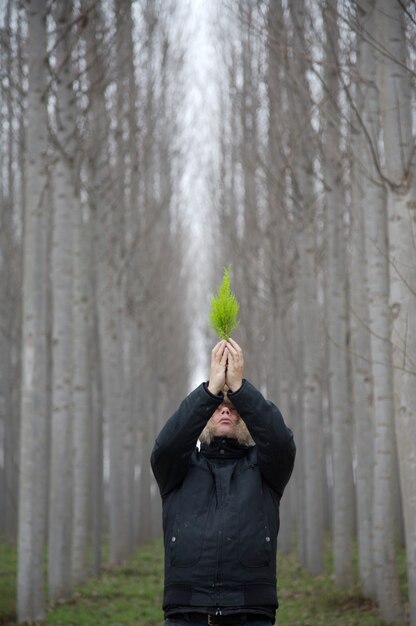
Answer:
(318, 601)
(132, 596)
(123, 596)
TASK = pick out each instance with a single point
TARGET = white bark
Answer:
(9, 312)
(360, 337)
(384, 439)
(299, 470)
(250, 265)
(313, 436)
(289, 401)
(114, 345)
(277, 250)
(107, 288)
(3, 342)
(362, 385)
(132, 287)
(81, 404)
(145, 526)
(310, 329)
(148, 352)
(60, 495)
(97, 164)
(97, 441)
(336, 311)
(127, 179)
(9, 420)
(34, 393)
(374, 201)
(400, 167)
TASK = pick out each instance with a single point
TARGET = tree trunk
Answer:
(374, 201)
(3, 269)
(250, 265)
(299, 470)
(34, 392)
(60, 496)
(336, 305)
(8, 308)
(400, 166)
(302, 142)
(360, 337)
(99, 177)
(81, 403)
(313, 438)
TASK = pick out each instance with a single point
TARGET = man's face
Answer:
(224, 421)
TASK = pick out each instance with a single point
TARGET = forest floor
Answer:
(131, 595)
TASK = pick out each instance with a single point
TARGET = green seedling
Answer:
(224, 308)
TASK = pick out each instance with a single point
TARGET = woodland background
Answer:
(144, 146)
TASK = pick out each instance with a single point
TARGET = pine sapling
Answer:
(224, 308)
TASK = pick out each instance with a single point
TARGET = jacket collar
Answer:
(224, 448)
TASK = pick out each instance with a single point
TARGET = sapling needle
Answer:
(224, 308)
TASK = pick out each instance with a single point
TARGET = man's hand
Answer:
(235, 365)
(218, 366)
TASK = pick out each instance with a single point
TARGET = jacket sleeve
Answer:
(274, 440)
(177, 440)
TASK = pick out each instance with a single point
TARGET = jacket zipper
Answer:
(219, 538)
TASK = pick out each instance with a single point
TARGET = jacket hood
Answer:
(224, 448)
(243, 434)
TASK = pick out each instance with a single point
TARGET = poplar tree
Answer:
(34, 434)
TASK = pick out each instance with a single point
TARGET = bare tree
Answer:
(395, 85)
(34, 400)
(97, 173)
(80, 395)
(360, 337)
(110, 170)
(278, 242)
(108, 159)
(374, 201)
(10, 266)
(305, 210)
(336, 308)
(64, 205)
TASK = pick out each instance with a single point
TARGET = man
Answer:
(221, 503)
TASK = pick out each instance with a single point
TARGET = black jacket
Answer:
(221, 505)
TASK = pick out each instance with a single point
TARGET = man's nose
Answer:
(225, 410)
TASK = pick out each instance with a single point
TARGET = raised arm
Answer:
(274, 440)
(177, 439)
